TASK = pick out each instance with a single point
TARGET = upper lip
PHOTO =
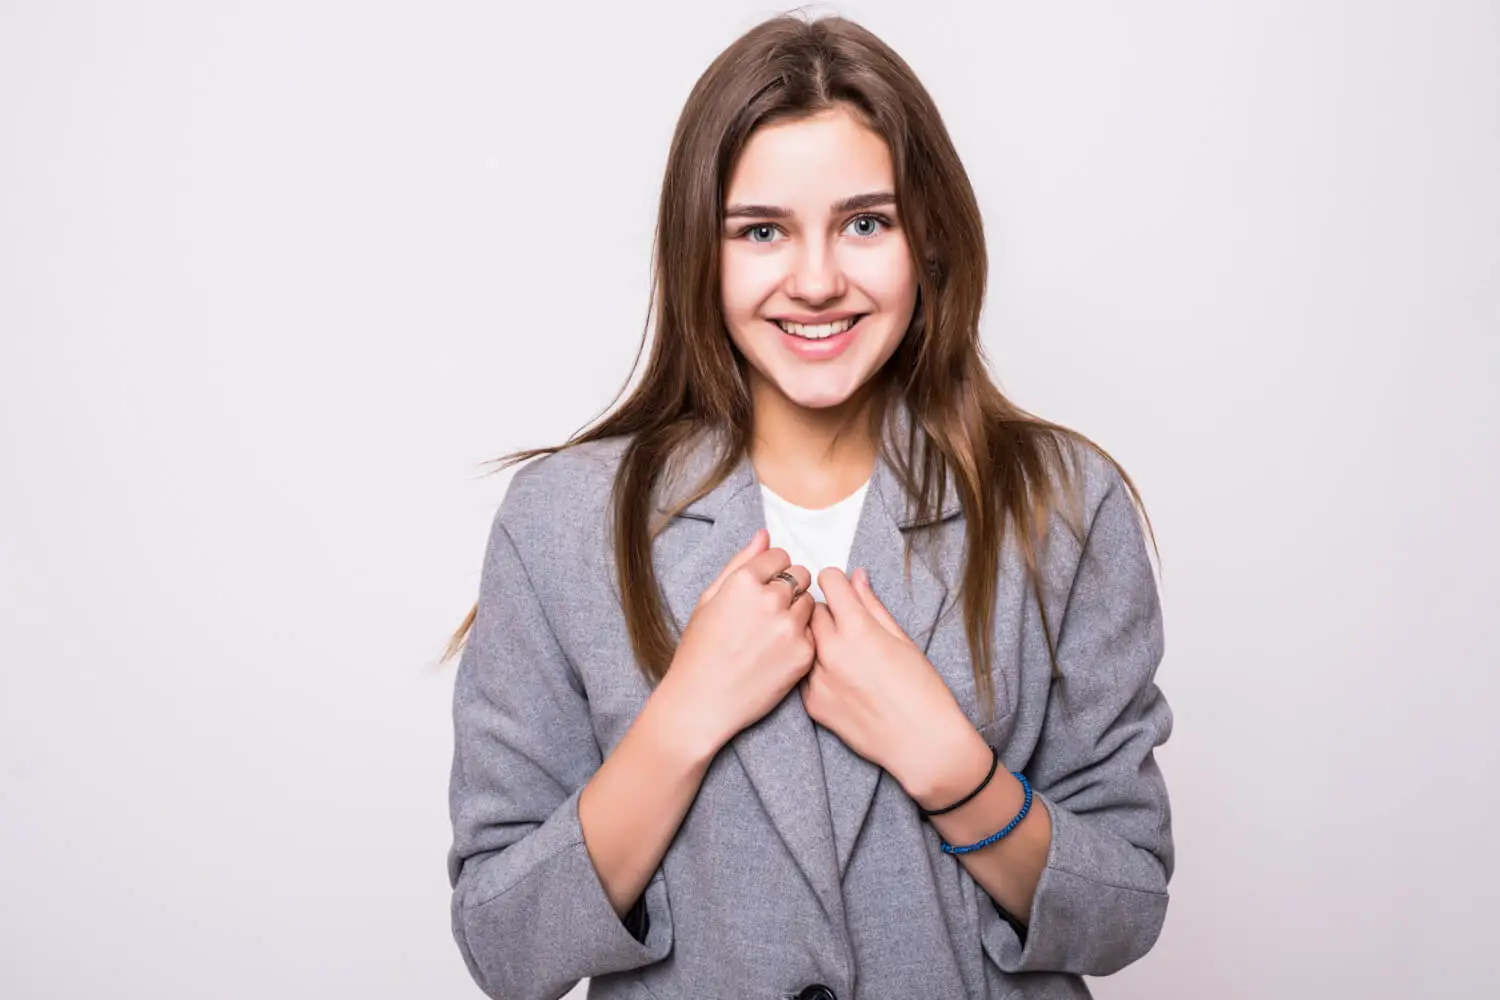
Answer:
(815, 320)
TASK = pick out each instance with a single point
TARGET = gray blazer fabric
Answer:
(800, 862)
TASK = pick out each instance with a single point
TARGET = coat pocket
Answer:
(620, 986)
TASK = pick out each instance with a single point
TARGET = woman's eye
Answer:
(866, 225)
(763, 233)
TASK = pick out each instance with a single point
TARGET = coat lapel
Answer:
(915, 603)
(794, 764)
(779, 753)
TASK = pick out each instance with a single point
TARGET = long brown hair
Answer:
(1011, 467)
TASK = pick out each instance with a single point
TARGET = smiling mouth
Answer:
(817, 331)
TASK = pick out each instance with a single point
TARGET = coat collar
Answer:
(699, 458)
(794, 764)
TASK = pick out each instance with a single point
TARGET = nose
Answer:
(815, 275)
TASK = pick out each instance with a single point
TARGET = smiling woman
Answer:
(696, 758)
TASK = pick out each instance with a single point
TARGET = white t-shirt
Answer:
(814, 537)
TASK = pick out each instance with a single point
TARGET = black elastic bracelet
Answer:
(994, 765)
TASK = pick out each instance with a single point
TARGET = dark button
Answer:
(817, 991)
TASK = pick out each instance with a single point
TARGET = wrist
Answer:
(681, 725)
(951, 772)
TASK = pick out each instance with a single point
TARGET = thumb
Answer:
(872, 604)
(759, 542)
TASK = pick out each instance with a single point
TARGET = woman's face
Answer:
(811, 245)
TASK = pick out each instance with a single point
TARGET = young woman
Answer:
(693, 760)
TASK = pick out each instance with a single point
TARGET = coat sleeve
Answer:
(529, 913)
(1102, 898)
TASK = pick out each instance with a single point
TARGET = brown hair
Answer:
(1009, 464)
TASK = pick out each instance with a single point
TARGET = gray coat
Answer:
(800, 862)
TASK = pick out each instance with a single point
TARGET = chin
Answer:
(816, 397)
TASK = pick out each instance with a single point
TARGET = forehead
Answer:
(809, 163)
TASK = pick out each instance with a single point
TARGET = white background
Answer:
(275, 278)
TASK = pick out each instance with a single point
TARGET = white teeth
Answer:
(817, 331)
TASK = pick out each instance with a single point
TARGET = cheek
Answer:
(889, 279)
(745, 280)
(885, 273)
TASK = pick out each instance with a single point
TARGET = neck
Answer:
(811, 457)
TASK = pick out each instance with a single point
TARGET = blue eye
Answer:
(863, 226)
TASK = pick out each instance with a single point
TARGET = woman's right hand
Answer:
(745, 646)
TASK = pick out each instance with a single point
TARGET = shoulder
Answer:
(1092, 482)
(1096, 518)
(565, 478)
(563, 494)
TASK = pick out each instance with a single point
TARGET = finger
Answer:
(802, 608)
(821, 623)
(765, 565)
(790, 594)
(756, 546)
(840, 595)
(802, 573)
(872, 604)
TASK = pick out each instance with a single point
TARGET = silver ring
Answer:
(797, 590)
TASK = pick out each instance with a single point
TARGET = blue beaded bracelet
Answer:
(987, 841)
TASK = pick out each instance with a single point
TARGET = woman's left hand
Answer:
(874, 688)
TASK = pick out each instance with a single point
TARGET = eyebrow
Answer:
(873, 199)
